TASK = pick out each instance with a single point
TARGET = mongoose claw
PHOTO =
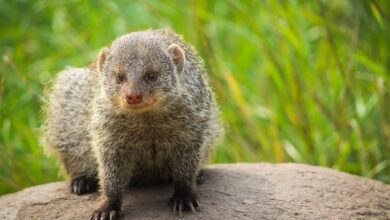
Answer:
(83, 184)
(107, 215)
(186, 201)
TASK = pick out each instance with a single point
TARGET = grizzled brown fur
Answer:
(143, 113)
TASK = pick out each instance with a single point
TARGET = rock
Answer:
(235, 191)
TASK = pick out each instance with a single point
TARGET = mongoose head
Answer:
(139, 72)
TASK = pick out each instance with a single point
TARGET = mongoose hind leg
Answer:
(83, 184)
(82, 173)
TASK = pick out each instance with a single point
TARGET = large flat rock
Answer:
(235, 191)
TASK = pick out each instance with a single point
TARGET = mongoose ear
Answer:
(178, 56)
(102, 58)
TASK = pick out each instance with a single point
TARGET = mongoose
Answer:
(143, 113)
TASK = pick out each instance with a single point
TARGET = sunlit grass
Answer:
(300, 81)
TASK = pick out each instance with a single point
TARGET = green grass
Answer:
(300, 81)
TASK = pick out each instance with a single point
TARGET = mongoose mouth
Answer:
(138, 107)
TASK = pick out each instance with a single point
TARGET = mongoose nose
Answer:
(134, 98)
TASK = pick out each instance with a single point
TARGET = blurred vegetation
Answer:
(300, 81)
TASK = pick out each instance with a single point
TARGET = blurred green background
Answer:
(297, 81)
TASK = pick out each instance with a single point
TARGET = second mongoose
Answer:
(143, 113)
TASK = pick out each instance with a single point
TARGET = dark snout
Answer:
(134, 98)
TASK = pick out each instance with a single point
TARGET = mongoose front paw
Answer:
(184, 199)
(107, 215)
(83, 184)
(107, 211)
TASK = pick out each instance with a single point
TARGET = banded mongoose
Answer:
(143, 113)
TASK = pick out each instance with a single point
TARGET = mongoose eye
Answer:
(120, 78)
(150, 76)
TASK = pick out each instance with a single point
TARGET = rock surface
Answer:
(237, 191)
